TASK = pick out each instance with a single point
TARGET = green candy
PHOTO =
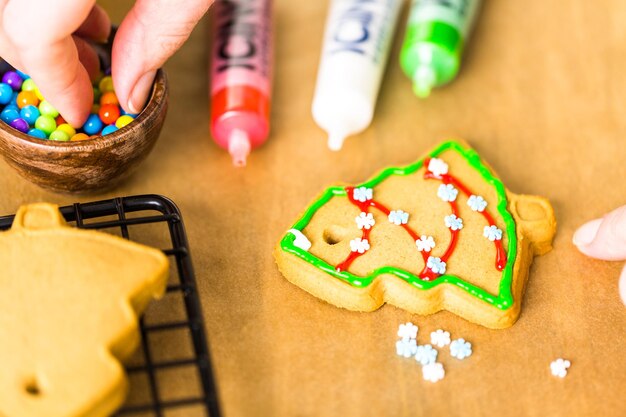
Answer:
(46, 124)
(59, 136)
(47, 109)
(29, 85)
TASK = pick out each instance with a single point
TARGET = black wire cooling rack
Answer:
(122, 216)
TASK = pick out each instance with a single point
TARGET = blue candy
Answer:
(109, 129)
(37, 133)
(24, 76)
(14, 98)
(93, 125)
(30, 114)
(6, 93)
(9, 114)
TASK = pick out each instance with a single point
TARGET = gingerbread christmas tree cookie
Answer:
(440, 234)
(69, 301)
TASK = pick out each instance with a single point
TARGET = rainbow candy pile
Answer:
(23, 108)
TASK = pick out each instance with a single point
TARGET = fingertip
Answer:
(586, 233)
(140, 93)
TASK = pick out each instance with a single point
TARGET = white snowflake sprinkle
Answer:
(440, 338)
(437, 167)
(453, 222)
(426, 354)
(559, 367)
(407, 331)
(492, 233)
(398, 217)
(477, 203)
(406, 348)
(359, 245)
(433, 372)
(362, 194)
(300, 241)
(436, 265)
(365, 220)
(460, 349)
(447, 192)
(425, 243)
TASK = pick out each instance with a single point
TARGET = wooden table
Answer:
(541, 95)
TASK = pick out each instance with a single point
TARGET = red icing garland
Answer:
(427, 274)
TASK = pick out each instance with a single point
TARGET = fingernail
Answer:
(140, 93)
(587, 232)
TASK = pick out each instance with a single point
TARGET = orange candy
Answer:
(60, 120)
(79, 136)
(27, 98)
(109, 113)
(109, 98)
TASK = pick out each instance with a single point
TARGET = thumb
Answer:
(151, 32)
(604, 238)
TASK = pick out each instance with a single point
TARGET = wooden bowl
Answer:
(91, 165)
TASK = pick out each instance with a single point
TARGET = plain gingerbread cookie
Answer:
(440, 234)
(69, 301)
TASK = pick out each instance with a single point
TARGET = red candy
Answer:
(109, 113)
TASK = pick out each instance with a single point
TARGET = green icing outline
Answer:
(503, 300)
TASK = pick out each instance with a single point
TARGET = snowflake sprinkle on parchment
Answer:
(433, 372)
(460, 349)
(406, 348)
(426, 354)
(559, 367)
(407, 331)
(440, 338)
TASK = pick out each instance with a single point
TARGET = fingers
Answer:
(87, 57)
(66, 84)
(34, 21)
(151, 32)
(604, 238)
(97, 25)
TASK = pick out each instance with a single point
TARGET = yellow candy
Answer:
(38, 94)
(123, 121)
(67, 128)
(106, 84)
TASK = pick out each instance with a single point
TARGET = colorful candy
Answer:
(109, 113)
(30, 114)
(27, 98)
(46, 124)
(59, 136)
(93, 125)
(20, 124)
(13, 79)
(23, 107)
(6, 92)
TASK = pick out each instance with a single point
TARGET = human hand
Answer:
(50, 42)
(605, 238)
